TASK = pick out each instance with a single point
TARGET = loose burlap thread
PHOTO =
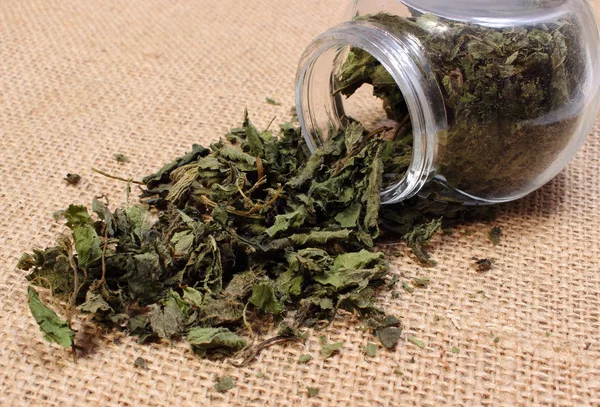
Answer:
(83, 80)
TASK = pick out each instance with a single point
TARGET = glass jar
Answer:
(499, 95)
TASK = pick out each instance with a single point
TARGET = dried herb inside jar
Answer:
(512, 98)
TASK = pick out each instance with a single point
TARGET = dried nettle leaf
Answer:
(248, 230)
(54, 328)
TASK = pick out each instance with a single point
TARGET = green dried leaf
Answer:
(105, 214)
(495, 235)
(370, 350)
(353, 269)
(416, 341)
(87, 244)
(284, 222)
(214, 340)
(140, 363)
(372, 197)
(224, 384)
(95, 304)
(421, 282)
(419, 237)
(54, 328)
(312, 391)
(77, 215)
(349, 217)
(263, 297)
(305, 358)
(162, 176)
(329, 349)
(272, 101)
(170, 320)
(389, 336)
(193, 296)
(255, 142)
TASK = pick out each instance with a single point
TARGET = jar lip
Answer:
(403, 57)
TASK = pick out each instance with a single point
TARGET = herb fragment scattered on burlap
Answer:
(224, 384)
(260, 375)
(455, 349)
(370, 349)
(495, 235)
(421, 282)
(415, 341)
(482, 265)
(73, 179)
(140, 363)
(330, 349)
(272, 101)
(305, 358)
(121, 158)
(389, 336)
(407, 287)
(312, 391)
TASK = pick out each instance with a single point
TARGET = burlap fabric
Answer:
(83, 80)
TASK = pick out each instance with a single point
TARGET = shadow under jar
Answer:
(496, 97)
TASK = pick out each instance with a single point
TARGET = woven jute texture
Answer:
(81, 80)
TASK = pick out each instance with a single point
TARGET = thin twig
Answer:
(206, 201)
(103, 258)
(270, 123)
(268, 203)
(254, 351)
(259, 168)
(117, 178)
(246, 323)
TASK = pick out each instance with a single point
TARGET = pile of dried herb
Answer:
(512, 98)
(248, 232)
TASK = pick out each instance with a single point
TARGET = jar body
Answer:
(500, 95)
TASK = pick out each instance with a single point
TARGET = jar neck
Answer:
(319, 110)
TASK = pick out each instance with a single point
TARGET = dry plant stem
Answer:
(103, 278)
(268, 203)
(246, 323)
(130, 180)
(254, 351)
(259, 168)
(73, 299)
(206, 201)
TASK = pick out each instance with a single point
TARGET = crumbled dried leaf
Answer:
(140, 363)
(495, 235)
(370, 349)
(73, 179)
(224, 383)
(312, 391)
(305, 358)
(389, 336)
(272, 101)
(415, 341)
(329, 349)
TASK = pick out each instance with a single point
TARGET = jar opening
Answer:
(322, 107)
